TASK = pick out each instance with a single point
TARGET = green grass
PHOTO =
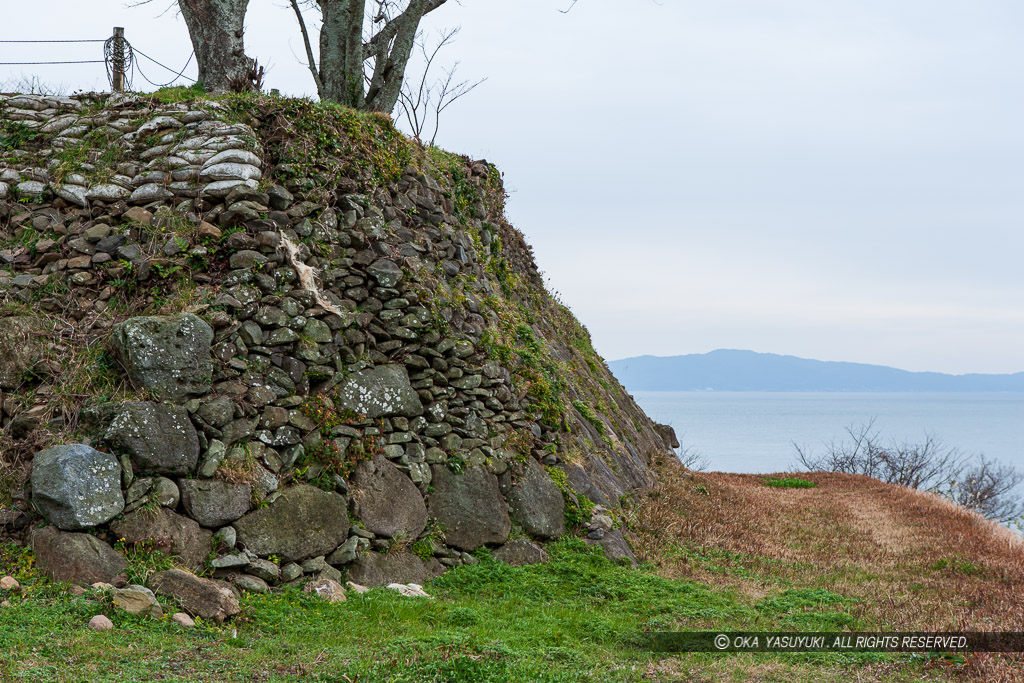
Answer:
(789, 483)
(577, 618)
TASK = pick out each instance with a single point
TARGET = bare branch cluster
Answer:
(424, 101)
(976, 482)
(991, 488)
(692, 459)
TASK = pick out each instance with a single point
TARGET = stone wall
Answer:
(244, 340)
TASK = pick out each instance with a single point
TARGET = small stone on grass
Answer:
(183, 619)
(410, 590)
(100, 623)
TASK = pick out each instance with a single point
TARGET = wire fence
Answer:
(120, 58)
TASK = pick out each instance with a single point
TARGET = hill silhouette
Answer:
(734, 370)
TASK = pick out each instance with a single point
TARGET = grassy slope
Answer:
(724, 552)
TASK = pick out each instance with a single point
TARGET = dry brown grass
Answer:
(912, 560)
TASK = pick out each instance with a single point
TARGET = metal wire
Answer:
(179, 74)
(86, 61)
(131, 64)
(109, 58)
(52, 41)
(91, 61)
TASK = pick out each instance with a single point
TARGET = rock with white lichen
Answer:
(169, 355)
(76, 487)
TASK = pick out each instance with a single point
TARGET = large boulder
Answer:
(380, 392)
(376, 569)
(169, 532)
(667, 434)
(469, 507)
(214, 503)
(303, 522)
(21, 345)
(211, 600)
(159, 438)
(168, 355)
(535, 501)
(76, 487)
(388, 503)
(75, 558)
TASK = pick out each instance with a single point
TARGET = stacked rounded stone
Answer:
(36, 110)
(188, 142)
(228, 169)
(404, 365)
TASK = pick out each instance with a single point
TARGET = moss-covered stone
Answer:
(303, 522)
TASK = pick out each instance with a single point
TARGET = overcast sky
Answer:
(837, 180)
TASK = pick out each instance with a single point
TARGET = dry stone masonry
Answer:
(291, 379)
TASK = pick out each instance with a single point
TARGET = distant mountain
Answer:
(730, 370)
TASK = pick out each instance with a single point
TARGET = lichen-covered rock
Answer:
(389, 504)
(158, 438)
(168, 355)
(75, 194)
(520, 551)
(386, 272)
(211, 600)
(167, 531)
(303, 522)
(230, 171)
(377, 569)
(108, 192)
(21, 345)
(150, 192)
(75, 558)
(381, 391)
(214, 503)
(469, 507)
(76, 487)
(535, 501)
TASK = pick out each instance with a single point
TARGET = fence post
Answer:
(117, 61)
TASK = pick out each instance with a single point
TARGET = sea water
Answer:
(755, 431)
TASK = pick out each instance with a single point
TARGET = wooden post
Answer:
(117, 66)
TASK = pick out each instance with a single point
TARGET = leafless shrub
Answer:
(422, 103)
(692, 459)
(976, 482)
(32, 85)
(990, 487)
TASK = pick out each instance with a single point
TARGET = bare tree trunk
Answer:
(391, 48)
(341, 51)
(216, 28)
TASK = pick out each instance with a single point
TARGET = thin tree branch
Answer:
(309, 50)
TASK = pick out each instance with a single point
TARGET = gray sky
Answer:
(837, 180)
